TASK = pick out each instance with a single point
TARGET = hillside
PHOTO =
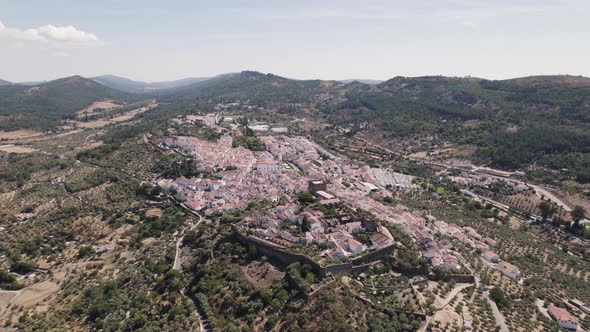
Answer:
(258, 87)
(364, 81)
(44, 106)
(3, 82)
(551, 80)
(125, 84)
(513, 123)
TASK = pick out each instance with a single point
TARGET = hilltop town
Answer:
(267, 204)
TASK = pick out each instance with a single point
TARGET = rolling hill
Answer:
(45, 106)
(3, 82)
(125, 84)
(513, 123)
(364, 81)
(258, 87)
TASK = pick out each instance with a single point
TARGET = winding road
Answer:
(177, 258)
(538, 189)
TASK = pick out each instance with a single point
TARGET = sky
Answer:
(332, 39)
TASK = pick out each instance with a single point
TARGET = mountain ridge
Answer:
(129, 85)
(46, 105)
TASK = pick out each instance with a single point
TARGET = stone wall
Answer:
(462, 278)
(373, 255)
(284, 256)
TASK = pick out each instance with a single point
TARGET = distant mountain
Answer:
(45, 105)
(550, 80)
(364, 81)
(258, 87)
(125, 84)
(3, 82)
(32, 83)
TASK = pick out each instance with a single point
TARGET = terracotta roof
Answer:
(561, 314)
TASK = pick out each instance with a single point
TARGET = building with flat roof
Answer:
(268, 165)
(317, 185)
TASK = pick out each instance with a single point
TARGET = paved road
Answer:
(451, 296)
(497, 314)
(178, 265)
(538, 189)
(496, 204)
(177, 258)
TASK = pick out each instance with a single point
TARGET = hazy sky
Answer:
(164, 40)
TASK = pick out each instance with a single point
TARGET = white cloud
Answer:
(57, 36)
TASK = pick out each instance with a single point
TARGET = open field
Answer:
(10, 148)
(103, 105)
(17, 134)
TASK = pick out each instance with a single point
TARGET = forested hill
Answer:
(544, 119)
(45, 106)
(125, 84)
(514, 123)
(257, 87)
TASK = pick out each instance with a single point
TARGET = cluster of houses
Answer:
(481, 180)
(291, 224)
(262, 175)
(469, 236)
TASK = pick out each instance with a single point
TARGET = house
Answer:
(329, 202)
(452, 230)
(441, 225)
(491, 257)
(286, 213)
(508, 270)
(490, 242)
(482, 246)
(316, 185)
(268, 165)
(335, 253)
(379, 240)
(287, 236)
(436, 261)
(563, 318)
(354, 227)
(450, 263)
(474, 235)
(354, 246)
(317, 227)
(324, 195)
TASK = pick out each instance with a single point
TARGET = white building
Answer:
(491, 257)
(268, 165)
(563, 318)
(508, 270)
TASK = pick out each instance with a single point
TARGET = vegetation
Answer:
(498, 296)
(305, 197)
(45, 106)
(249, 142)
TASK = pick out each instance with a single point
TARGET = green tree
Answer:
(498, 296)
(305, 197)
(578, 214)
(547, 210)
